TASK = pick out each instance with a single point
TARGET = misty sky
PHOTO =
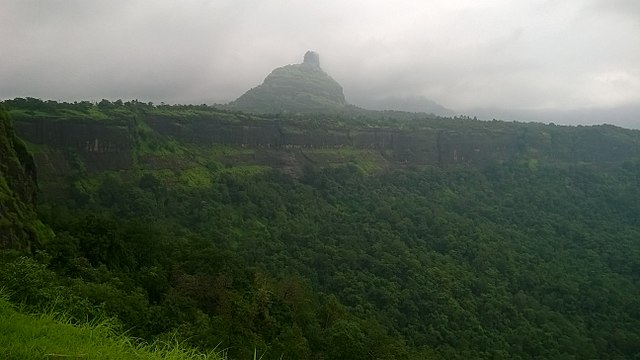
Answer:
(467, 54)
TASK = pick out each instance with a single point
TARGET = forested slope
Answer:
(19, 226)
(356, 254)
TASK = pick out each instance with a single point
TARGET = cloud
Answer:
(534, 54)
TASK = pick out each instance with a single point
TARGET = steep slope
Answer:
(294, 88)
(18, 223)
(475, 240)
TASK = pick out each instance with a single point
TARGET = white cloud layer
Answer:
(465, 54)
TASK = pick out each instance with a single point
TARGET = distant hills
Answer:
(414, 104)
(306, 88)
(625, 115)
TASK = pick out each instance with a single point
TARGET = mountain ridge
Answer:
(120, 138)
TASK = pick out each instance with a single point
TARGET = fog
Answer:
(492, 57)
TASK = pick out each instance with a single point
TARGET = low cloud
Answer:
(534, 54)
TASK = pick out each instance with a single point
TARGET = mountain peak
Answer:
(312, 58)
(296, 88)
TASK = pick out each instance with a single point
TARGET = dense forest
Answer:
(517, 258)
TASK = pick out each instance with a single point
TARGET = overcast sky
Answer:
(463, 54)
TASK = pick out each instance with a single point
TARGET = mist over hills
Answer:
(414, 104)
(370, 233)
(627, 116)
(294, 88)
(428, 191)
(306, 88)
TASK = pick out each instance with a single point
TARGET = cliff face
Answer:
(19, 227)
(17, 166)
(471, 143)
(289, 144)
(99, 145)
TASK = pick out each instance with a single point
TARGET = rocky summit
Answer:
(296, 88)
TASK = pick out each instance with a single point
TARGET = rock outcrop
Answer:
(312, 58)
(297, 88)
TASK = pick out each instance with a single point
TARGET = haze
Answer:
(524, 59)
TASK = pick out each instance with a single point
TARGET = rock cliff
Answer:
(187, 137)
(100, 145)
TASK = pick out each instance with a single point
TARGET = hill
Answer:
(330, 236)
(294, 88)
(306, 88)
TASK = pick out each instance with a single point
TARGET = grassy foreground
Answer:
(49, 336)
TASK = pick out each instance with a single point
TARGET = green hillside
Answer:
(330, 237)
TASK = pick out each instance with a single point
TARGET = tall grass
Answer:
(54, 336)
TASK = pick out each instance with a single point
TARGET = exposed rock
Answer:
(312, 58)
(297, 88)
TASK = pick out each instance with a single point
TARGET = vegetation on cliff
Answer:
(533, 255)
(19, 226)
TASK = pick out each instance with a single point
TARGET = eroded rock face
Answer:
(312, 58)
(290, 145)
(101, 146)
